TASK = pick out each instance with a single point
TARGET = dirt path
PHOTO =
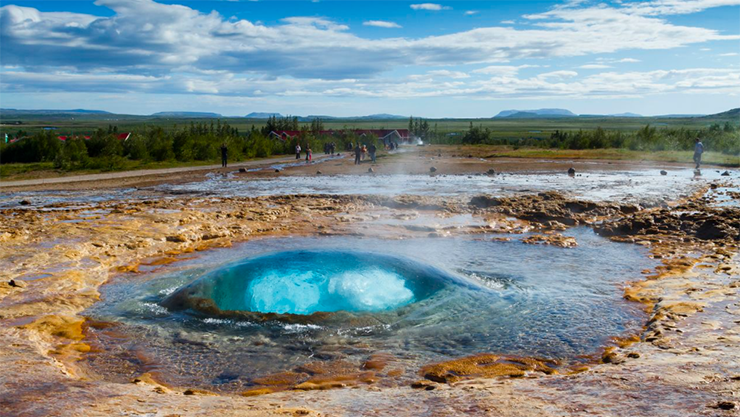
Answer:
(138, 178)
(146, 173)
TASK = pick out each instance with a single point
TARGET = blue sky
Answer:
(343, 58)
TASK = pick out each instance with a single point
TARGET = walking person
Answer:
(224, 154)
(297, 151)
(308, 153)
(698, 150)
(372, 149)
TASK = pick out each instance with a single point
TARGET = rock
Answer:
(491, 172)
(318, 172)
(14, 284)
(25, 202)
(725, 405)
(177, 238)
(277, 170)
(633, 355)
(242, 170)
(725, 174)
(572, 171)
(427, 385)
(432, 169)
(663, 172)
(370, 170)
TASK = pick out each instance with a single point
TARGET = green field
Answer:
(173, 142)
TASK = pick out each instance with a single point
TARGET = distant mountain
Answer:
(729, 114)
(192, 114)
(380, 116)
(10, 112)
(259, 115)
(529, 114)
(678, 116)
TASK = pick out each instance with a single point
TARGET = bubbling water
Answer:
(307, 282)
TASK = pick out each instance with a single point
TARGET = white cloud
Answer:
(429, 6)
(471, 12)
(381, 24)
(161, 48)
(673, 7)
(507, 22)
(729, 54)
(594, 66)
(629, 60)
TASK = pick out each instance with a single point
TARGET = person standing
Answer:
(372, 149)
(358, 154)
(297, 151)
(224, 154)
(308, 153)
(698, 150)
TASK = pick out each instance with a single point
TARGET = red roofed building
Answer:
(123, 136)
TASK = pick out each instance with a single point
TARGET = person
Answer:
(364, 151)
(698, 150)
(308, 153)
(224, 154)
(297, 151)
(358, 153)
(372, 149)
(333, 148)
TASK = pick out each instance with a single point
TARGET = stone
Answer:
(370, 170)
(242, 170)
(318, 173)
(432, 169)
(572, 171)
(491, 172)
(725, 174)
(726, 405)
(14, 284)
(277, 170)
(25, 202)
(663, 172)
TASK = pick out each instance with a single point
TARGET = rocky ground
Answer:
(53, 261)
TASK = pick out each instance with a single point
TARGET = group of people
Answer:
(361, 151)
(309, 153)
(329, 148)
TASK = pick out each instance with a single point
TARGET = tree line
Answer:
(196, 142)
(716, 138)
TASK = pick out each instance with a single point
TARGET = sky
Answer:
(351, 58)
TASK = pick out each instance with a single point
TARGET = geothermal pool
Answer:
(228, 316)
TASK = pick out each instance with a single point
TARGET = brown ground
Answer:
(686, 362)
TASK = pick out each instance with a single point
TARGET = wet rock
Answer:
(491, 172)
(13, 283)
(725, 174)
(370, 170)
(318, 172)
(433, 169)
(613, 357)
(572, 172)
(663, 172)
(25, 202)
(242, 170)
(633, 355)
(484, 366)
(277, 170)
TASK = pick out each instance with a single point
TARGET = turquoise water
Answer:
(422, 300)
(306, 282)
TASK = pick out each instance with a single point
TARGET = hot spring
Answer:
(267, 306)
